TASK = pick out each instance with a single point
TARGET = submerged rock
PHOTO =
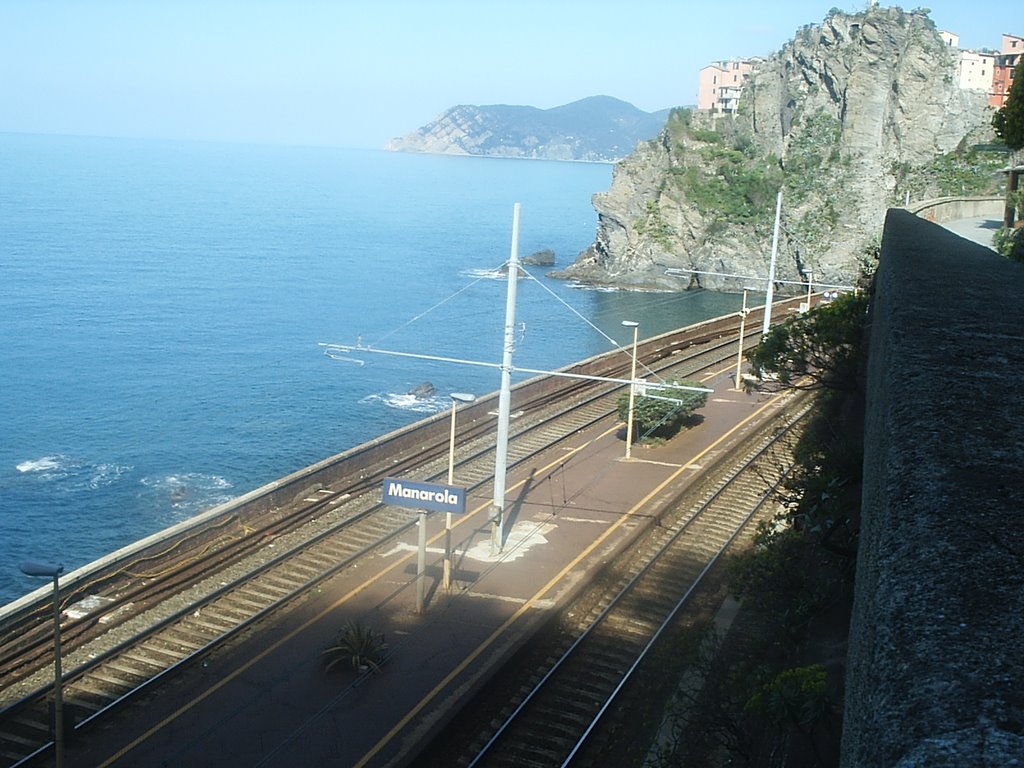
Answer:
(542, 258)
(423, 391)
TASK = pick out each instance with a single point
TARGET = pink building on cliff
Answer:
(720, 84)
(1006, 62)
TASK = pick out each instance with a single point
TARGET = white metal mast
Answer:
(505, 394)
(769, 292)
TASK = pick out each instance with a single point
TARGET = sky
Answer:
(355, 73)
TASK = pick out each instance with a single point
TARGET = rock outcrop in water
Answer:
(847, 120)
(596, 129)
(423, 391)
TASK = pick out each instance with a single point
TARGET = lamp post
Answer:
(632, 387)
(33, 568)
(739, 352)
(457, 397)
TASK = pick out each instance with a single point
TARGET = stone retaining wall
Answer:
(945, 209)
(936, 657)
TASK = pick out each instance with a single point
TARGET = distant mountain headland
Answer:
(595, 129)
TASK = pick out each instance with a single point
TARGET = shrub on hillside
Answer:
(1009, 242)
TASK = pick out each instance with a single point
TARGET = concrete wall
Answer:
(936, 659)
(946, 209)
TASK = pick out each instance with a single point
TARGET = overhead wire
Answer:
(489, 275)
(426, 312)
(576, 312)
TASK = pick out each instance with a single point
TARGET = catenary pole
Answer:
(632, 387)
(739, 350)
(768, 295)
(505, 394)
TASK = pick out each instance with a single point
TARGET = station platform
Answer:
(267, 700)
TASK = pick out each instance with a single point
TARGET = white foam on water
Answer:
(73, 476)
(485, 274)
(43, 464)
(189, 492)
(593, 288)
(103, 475)
(406, 402)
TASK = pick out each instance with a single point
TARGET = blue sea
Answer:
(162, 305)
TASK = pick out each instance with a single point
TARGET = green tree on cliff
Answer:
(1008, 122)
(817, 349)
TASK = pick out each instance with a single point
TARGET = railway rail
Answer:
(160, 610)
(557, 720)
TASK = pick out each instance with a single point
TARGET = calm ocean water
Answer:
(161, 305)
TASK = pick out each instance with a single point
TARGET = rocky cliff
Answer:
(596, 129)
(847, 120)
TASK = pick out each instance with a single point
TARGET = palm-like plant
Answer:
(356, 645)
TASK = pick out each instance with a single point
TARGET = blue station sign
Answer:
(432, 496)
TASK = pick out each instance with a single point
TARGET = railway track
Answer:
(557, 719)
(153, 626)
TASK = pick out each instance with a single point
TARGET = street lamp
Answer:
(457, 397)
(739, 354)
(632, 386)
(32, 568)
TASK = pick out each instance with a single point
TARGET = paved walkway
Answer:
(268, 701)
(978, 230)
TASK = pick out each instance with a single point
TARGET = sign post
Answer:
(423, 496)
(421, 564)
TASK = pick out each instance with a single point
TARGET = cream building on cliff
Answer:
(975, 69)
(986, 70)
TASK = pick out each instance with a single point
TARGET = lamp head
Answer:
(462, 397)
(630, 323)
(34, 568)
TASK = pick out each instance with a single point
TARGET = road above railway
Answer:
(267, 701)
(978, 230)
